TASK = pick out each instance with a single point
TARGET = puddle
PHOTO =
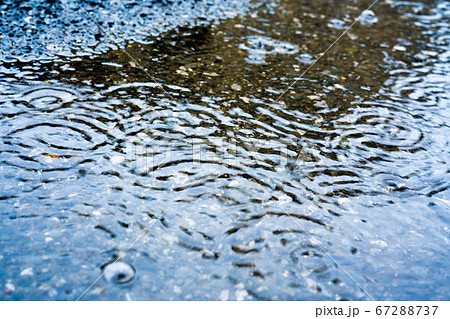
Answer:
(233, 185)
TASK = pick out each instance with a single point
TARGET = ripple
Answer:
(377, 128)
(47, 98)
(56, 145)
(311, 260)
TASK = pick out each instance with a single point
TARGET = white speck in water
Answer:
(352, 36)
(180, 178)
(311, 285)
(97, 291)
(245, 99)
(447, 230)
(306, 273)
(233, 183)
(60, 282)
(44, 287)
(210, 74)
(241, 294)
(176, 289)
(375, 251)
(169, 239)
(117, 65)
(399, 48)
(182, 72)
(27, 272)
(117, 159)
(312, 208)
(343, 201)
(236, 87)
(380, 243)
(321, 104)
(284, 199)
(10, 286)
(52, 293)
(224, 295)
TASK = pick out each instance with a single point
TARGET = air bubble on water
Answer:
(258, 47)
(368, 17)
(337, 24)
(118, 272)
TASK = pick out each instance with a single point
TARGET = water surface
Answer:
(183, 153)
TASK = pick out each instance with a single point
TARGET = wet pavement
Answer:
(201, 153)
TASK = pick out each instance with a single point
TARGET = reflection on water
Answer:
(224, 187)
